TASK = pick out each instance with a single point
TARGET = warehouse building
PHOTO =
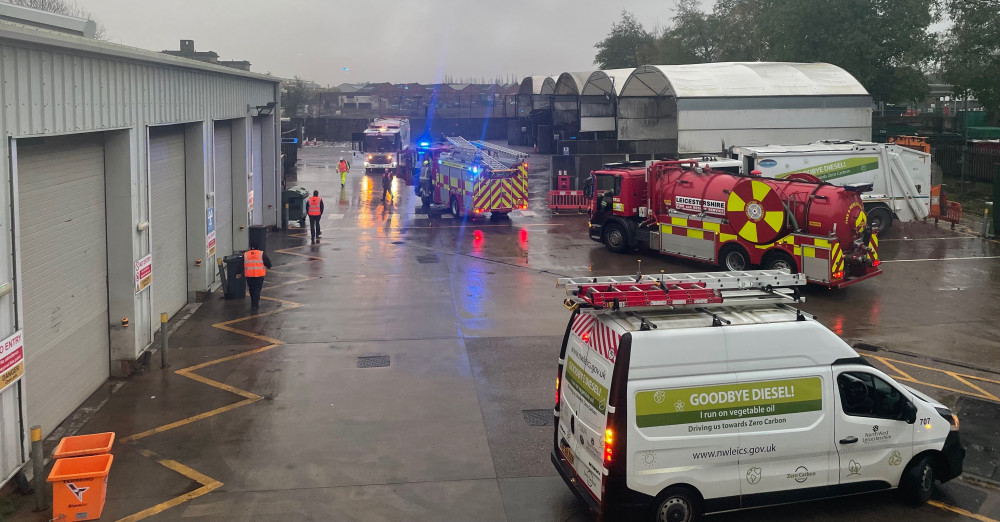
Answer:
(129, 173)
(705, 108)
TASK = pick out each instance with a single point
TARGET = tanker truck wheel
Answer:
(780, 261)
(615, 238)
(733, 258)
(880, 219)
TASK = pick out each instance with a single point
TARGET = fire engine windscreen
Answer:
(382, 143)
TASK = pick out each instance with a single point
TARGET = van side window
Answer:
(865, 395)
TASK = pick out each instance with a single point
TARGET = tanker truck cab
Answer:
(684, 394)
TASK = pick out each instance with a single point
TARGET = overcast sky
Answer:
(381, 40)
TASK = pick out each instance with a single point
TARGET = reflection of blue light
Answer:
(424, 144)
(475, 170)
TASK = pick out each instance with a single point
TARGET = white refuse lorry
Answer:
(683, 394)
(901, 177)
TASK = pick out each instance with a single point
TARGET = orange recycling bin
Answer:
(80, 487)
(83, 445)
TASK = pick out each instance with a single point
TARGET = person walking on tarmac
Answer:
(343, 167)
(255, 265)
(386, 184)
(314, 207)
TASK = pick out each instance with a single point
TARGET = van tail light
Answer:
(558, 397)
(609, 446)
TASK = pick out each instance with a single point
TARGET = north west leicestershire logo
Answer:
(77, 492)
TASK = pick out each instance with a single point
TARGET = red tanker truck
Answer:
(737, 221)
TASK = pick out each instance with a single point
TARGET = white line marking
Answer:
(927, 238)
(335, 216)
(447, 216)
(528, 213)
(939, 259)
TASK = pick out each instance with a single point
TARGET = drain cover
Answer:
(537, 417)
(373, 361)
(866, 347)
(430, 258)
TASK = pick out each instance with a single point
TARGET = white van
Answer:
(685, 394)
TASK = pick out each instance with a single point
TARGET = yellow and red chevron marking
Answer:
(838, 259)
(873, 245)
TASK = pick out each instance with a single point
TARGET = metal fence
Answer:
(971, 164)
(456, 106)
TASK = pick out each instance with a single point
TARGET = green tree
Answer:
(885, 44)
(740, 37)
(970, 50)
(628, 45)
(294, 95)
(694, 36)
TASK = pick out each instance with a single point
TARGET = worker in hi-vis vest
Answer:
(314, 207)
(255, 265)
(343, 166)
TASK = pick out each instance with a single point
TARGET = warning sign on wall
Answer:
(143, 273)
(11, 359)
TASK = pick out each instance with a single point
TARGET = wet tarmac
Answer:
(400, 369)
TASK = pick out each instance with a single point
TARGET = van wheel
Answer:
(880, 219)
(615, 239)
(733, 258)
(677, 505)
(917, 482)
(780, 261)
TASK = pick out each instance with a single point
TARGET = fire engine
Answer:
(386, 140)
(681, 209)
(473, 178)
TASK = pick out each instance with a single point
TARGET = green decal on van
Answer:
(727, 402)
(592, 391)
(839, 168)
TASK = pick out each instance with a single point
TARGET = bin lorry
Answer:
(683, 394)
(900, 176)
(473, 178)
(386, 139)
(738, 221)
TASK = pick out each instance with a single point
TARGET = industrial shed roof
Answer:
(741, 79)
(532, 85)
(571, 83)
(603, 82)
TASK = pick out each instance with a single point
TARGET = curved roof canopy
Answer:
(548, 86)
(532, 85)
(605, 82)
(735, 79)
(571, 83)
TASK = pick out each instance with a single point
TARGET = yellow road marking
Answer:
(959, 511)
(890, 365)
(208, 484)
(963, 378)
(969, 384)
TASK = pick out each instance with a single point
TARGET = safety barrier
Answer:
(952, 215)
(567, 200)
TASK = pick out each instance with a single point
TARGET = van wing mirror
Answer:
(910, 412)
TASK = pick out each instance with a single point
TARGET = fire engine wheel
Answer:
(677, 504)
(454, 207)
(880, 219)
(780, 261)
(733, 258)
(615, 238)
(425, 201)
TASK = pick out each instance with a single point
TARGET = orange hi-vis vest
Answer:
(342, 166)
(253, 263)
(314, 208)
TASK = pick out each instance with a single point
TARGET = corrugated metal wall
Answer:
(52, 92)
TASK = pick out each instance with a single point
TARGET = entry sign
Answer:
(11, 359)
(143, 273)
(210, 232)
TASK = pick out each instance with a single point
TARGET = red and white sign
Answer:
(210, 243)
(11, 359)
(250, 200)
(143, 273)
(599, 337)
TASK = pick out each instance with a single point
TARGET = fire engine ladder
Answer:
(476, 152)
(513, 157)
(669, 291)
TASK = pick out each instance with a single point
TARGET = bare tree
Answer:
(63, 7)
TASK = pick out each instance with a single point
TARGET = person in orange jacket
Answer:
(314, 208)
(343, 167)
(255, 265)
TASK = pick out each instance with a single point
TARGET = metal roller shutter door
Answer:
(64, 273)
(168, 221)
(223, 189)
